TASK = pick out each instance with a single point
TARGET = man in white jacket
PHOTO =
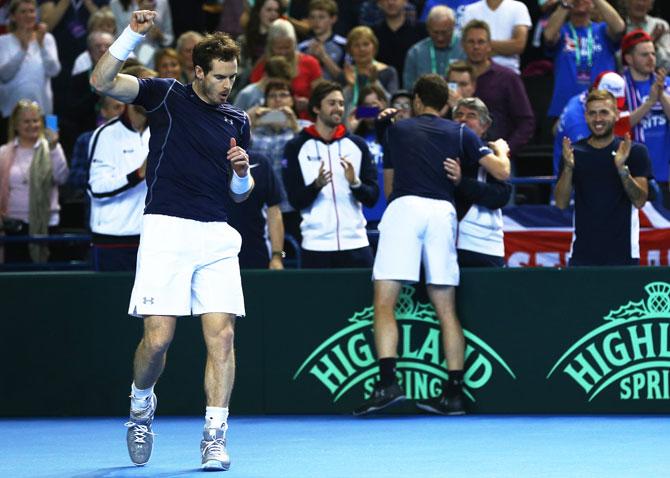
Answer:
(329, 176)
(118, 151)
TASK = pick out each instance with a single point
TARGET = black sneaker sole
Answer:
(427, 408)
(395, 401)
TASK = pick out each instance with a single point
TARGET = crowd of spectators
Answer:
(375, 50)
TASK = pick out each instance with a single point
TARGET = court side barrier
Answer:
(577, 341)
(294, 261)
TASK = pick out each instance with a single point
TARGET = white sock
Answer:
(216, 417)
(139, 398)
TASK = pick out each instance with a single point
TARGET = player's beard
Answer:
(213, 94)
(330, 122)
(607, 131)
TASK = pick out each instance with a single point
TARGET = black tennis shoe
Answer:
(381, 398)
(444, 405)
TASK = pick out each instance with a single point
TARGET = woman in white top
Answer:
(28, 60)
(32, 165)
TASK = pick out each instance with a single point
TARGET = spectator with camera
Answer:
(32, 166)
(461, 81)
(362, 123)
(272, 126)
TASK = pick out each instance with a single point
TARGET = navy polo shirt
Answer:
(606, 221)
(188, 173)
(415, 148)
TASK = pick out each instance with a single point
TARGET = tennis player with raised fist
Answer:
(187, 262)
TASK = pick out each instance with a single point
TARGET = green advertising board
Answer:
(537, 341)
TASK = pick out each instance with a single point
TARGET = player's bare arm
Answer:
(106, 78)
(497, 164)
(637, 188)
(563, 188)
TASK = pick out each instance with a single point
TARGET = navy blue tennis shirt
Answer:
(415, 148)
(607, 225)
(188, 173)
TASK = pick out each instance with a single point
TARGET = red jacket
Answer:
(309, 70)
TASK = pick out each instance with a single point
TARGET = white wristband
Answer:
(125, 44)
(240, 185)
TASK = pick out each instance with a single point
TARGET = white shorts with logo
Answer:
(413, 230)
(187, 267)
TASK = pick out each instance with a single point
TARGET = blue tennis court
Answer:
(340, 446)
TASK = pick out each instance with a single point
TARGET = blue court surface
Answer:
(343, 447)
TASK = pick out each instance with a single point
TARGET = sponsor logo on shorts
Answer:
(148, 300)
(345, 363)
(631, 350)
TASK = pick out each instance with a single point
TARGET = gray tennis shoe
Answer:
(140, 438)
(213, 450)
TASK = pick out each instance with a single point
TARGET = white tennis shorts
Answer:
(413, 230)
(187, 267)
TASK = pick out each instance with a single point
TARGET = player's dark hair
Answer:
(322, 89)
(432, 90)
(215, 46)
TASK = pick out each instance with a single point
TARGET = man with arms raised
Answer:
(419, 226)
(609, 176)
(187, 262)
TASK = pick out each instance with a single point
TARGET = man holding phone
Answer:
(361, 121)
(272, 126)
